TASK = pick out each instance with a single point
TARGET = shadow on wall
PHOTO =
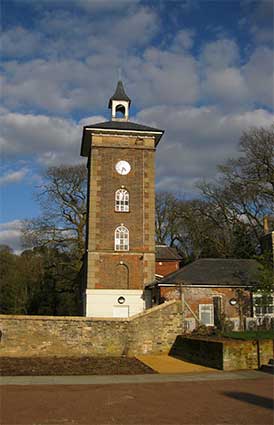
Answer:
(258, 400)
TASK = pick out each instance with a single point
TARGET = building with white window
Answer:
(120, 248)
(214, 289)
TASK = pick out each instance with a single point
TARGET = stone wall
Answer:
(247, 354)
(225, 354)
(153, 331)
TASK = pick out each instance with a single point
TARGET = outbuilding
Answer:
(214, 290)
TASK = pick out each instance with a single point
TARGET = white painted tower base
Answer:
(104, 302)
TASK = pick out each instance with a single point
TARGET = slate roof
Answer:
(123, 125)
(119, 94)
(167, 253)
(119, 126)
(215, 271)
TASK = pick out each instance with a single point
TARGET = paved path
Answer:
(240, 401)
(167, 364)
(131, 379)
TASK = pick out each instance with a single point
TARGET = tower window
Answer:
(121, 238)
(122, 200)
(120, 111)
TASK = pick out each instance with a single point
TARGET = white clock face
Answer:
(123, 167)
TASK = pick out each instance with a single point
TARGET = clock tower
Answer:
(120, 247)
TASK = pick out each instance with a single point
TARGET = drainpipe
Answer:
(258, 353)
(182, 296)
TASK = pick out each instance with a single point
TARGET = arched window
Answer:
(121, 238)
(122, 200)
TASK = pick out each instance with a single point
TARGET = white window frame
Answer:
(210, 308)
(256, 308)
(121, 238)
(122, 200)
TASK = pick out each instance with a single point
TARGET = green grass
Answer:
(250, 335)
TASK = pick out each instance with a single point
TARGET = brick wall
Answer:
(195, 296)
(164, 268)
(153, 331)
(102, 260)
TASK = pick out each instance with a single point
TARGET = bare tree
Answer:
(63, 204)
(167, 217)
(227, 220)
(257, 164)
(244, 191)
(191, 225)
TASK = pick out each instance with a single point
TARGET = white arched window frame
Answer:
(121, 238)
(122, 200)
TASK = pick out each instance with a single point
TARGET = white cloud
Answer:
(20, 42)
(184, 39)
(163, 77)
(60, 85)
(220, 54)
(259, 20)
(132, 27)
(196, 140)
(10, 233)
(234, 85)
(13, 176)
(76, 76)
(60, 32)
(105, 5)
(226, 86)
(75, 69)
(51, 140)
(259, 75)
(41, 83)
(66, 85)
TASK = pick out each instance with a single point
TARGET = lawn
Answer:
(247, 335)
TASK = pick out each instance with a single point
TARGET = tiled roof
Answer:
(164, 252)
(216, 271)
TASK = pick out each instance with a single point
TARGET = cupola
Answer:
(119, 104)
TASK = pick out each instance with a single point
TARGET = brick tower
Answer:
(120, 248)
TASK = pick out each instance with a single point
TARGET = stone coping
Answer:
(132, 379)
(221, 339)
(89, 319)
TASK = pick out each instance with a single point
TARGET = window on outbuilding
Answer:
(206, 314)
(121, 200)
(263, 305)
(121, 238)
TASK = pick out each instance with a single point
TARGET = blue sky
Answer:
(201, 70)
